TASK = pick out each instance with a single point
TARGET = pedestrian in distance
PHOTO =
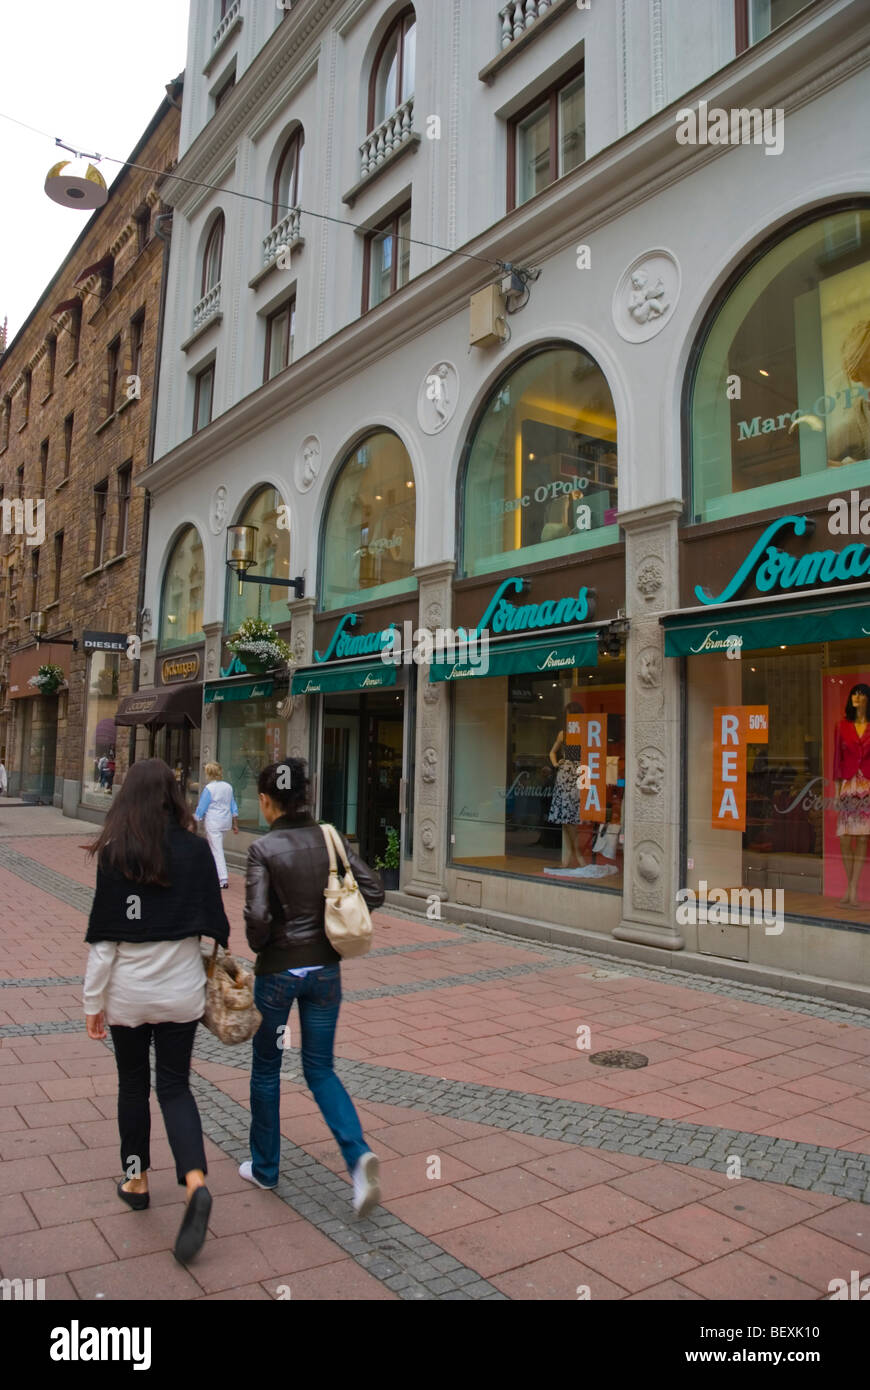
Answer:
(157, 893)
(287, 872)
(4, 780)
(101, 770)
(110, 770)
(217, 808)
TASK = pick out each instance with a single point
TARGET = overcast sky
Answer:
(94, 73)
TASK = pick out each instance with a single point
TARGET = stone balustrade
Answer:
(208, 306)
(284, 233)
(518, 16)
(392, 133)
(226, 23)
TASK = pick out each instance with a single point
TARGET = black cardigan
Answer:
(191, 906)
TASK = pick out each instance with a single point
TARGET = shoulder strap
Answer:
(339, 845)
(330, 848)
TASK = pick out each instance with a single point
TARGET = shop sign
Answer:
(713, 641)
(503, 616)
(343, 645)
(589, 733)
(180, 668)
(772, 569)
(734, 726)
(105, 641)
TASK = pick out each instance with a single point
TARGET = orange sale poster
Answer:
(589, 732)
(734, 726)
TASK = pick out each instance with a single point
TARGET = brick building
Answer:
(76, 407)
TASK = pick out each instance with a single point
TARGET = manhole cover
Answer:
(609, 975)
(630, 1060)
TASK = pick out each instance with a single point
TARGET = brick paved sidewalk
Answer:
(512, 1167)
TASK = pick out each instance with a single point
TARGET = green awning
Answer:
(513, 658)
(255, 690)
(749, 630)
(337, 680)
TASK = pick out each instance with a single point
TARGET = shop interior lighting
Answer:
(762, 372)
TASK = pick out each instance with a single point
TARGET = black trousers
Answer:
(173, 1045)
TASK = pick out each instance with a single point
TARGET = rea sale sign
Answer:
(734, 726)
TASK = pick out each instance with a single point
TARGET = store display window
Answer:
(98, 771)
(251, 734)
(539, 775)
(778, 781)
(272, 557)
(368, 540)
(541, 472)
(181, 608)
(780, 402)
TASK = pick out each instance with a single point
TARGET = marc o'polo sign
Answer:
(179, 668)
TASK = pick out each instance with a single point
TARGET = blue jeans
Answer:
(319, 996)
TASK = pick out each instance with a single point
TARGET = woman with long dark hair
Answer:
(157, 894)
(284, 919)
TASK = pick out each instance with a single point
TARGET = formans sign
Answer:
(772, 569)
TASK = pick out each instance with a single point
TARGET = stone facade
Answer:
(52, 378)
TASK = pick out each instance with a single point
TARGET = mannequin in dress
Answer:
(567, 759)
(852, 765)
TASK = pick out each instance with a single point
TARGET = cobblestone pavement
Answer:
(511, 1166)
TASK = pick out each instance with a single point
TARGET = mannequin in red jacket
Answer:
(852, 765)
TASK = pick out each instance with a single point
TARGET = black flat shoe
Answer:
(191, 1232)
(137, 1200)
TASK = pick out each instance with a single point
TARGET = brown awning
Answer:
(98, 268)
(167, 704)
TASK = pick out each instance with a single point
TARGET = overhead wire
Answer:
(256, 198)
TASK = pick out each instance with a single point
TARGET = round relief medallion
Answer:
(307, 464)
(646, 296)
(437, 398)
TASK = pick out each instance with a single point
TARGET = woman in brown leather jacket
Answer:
(284, 908)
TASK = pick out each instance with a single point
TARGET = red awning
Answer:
(98, 268)
(66, 305)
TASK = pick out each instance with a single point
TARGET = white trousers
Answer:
(216, 845)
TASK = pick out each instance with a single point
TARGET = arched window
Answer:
(392, 80)
(288, 177)
(212, 255)
(779, 395)
(272, 556)
(368, 537)
(183, 583)
(540, 476)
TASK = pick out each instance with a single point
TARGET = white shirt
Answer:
(217, 805)
(137, 982)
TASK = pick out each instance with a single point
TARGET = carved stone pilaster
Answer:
(211, 666)
(297, 708)
(147, 657)
(652, 755)
(432, 752)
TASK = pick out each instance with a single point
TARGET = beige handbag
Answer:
(347, 919)
(230, 1011)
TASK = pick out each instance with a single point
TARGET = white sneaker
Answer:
(246, 1171)
(366, 1184)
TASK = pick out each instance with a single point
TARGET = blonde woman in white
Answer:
(217, 808)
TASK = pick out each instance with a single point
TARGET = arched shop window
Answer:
(541, 472)
(780, 392)
(368, 543)
(272, 556)
(183, 582)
